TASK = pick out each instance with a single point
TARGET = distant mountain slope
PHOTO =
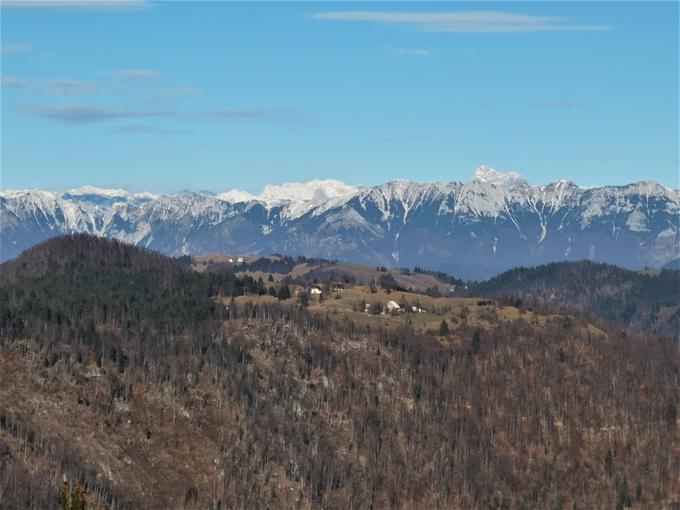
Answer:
(640, 300)
(673, 264)
(472, 230)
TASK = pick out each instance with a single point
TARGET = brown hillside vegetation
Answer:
(122, 371)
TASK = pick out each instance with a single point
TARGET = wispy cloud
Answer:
(55, 86)
(87, 114)
(558, 104)
(136, 129)
(16, 48)
(409, 52)
(173, 94)
(463, 21)
(14, 82)
(69, 87)
(138, 74)
(77, 4)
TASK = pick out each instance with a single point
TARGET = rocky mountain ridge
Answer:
(471, 229)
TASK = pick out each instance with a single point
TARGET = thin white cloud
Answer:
(558, 104)
(463, 21)
(77, 4)
(14, 82)
(87, 114)
(138, 74)
(409, 52)
(16, 48)
(136, 129)
(59, 87)
(69, 87)
(173, 94)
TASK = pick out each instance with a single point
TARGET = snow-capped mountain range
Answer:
(470, 229)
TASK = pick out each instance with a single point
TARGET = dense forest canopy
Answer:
(644, 301)
(153, 386)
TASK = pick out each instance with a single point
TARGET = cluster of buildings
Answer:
(392, 307)
(316, 290)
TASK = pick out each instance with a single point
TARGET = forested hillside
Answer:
(150, 385)
(643, 301)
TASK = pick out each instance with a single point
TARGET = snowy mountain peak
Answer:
(102, 196)
(102, 192)
(489, 175)
(315, 190)
(235, 196)
(299, 198)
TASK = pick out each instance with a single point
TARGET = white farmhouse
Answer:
(392, 306)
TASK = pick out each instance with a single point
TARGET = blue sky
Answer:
(217, 95)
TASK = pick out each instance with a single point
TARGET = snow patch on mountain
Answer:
(92, 191)
(405, 195)
(299, 198)
(637, 221)
(235, 196)
(296, 198)
(347, 219)
(489, 175)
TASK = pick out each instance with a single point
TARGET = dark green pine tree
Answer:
(476, 342)
(609, 463)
